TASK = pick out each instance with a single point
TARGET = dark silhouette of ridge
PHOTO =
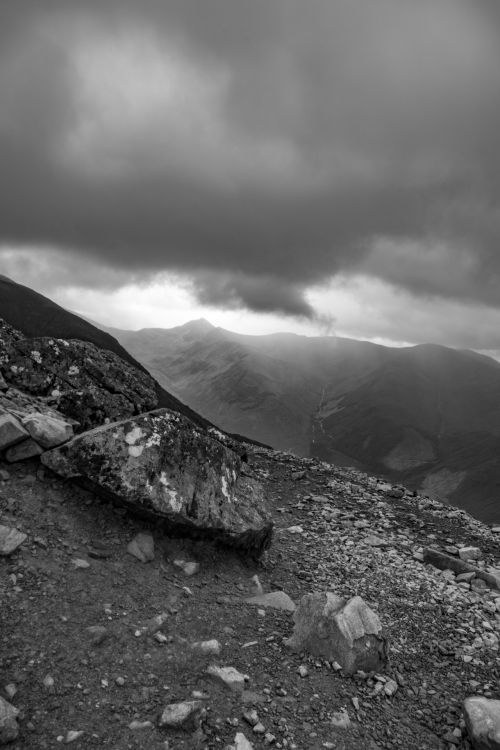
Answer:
(36, 315)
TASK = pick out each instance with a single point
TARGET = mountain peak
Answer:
(200, 324)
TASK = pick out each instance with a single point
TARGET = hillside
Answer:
(427, 416)
(96, 644)
(37, 316)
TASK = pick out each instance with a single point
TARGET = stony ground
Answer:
(77, 659)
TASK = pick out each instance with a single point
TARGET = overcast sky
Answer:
(307, 165)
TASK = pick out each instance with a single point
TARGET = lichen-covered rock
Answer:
(162, 465)
(349, 633)
(86, 383)
(482, 717)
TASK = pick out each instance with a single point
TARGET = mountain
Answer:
(36, 315)
(426, 416)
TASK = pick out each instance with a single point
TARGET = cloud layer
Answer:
(258, 148)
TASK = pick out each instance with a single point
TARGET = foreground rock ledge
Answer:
(160, 464)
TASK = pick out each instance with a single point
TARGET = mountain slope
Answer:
(427, 416)
(36, 315)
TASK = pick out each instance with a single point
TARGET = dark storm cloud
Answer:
(260, 147)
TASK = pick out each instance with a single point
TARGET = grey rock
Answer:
(228, 676)
(185, 715)
(48, 431)
(274, 600)
(482, 718)
(10, 540)
(11, 431)
(142, 547)
(21, 451)
(470, 553)
(9, 729)
(346, 632)
(162, 465)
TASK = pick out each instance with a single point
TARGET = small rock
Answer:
(241, 743)
(78, 562)
(340, 719)
(229, 676)
(10, 690)
(470, 553)
(48, 683)
(390, 688)
(274, 600)
(47, 431)
(211, 647)
(142, 547)
(295, 530)
(97, 634)
(21, 451)
(303, 671)
(189, 568)
(259, 728)
(296, 475)
(11, 431)
(10, 540)
(136, 726)
(251, 717)
(8, 723)
(185, 715)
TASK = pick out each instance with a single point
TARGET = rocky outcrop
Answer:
(85, 383)
(28, 426)
(160, 464)
(346, 632)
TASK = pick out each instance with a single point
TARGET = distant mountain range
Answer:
(426, 416)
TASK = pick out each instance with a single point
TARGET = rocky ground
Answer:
(85, 662)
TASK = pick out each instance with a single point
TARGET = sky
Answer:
(329, 166)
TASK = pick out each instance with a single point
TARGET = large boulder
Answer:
(482, 717)
(85, 383)
(347, 632)
(160, 464)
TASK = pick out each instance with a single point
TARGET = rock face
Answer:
(83, 382)
(160, 464)
(482, 717)
(349, 633)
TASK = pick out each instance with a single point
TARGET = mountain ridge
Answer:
(426, 415)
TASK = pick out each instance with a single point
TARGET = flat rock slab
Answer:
(48, 431)
(228, 676)
(10, 540)
(274, 600)
(482, 717)
(160, 464)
